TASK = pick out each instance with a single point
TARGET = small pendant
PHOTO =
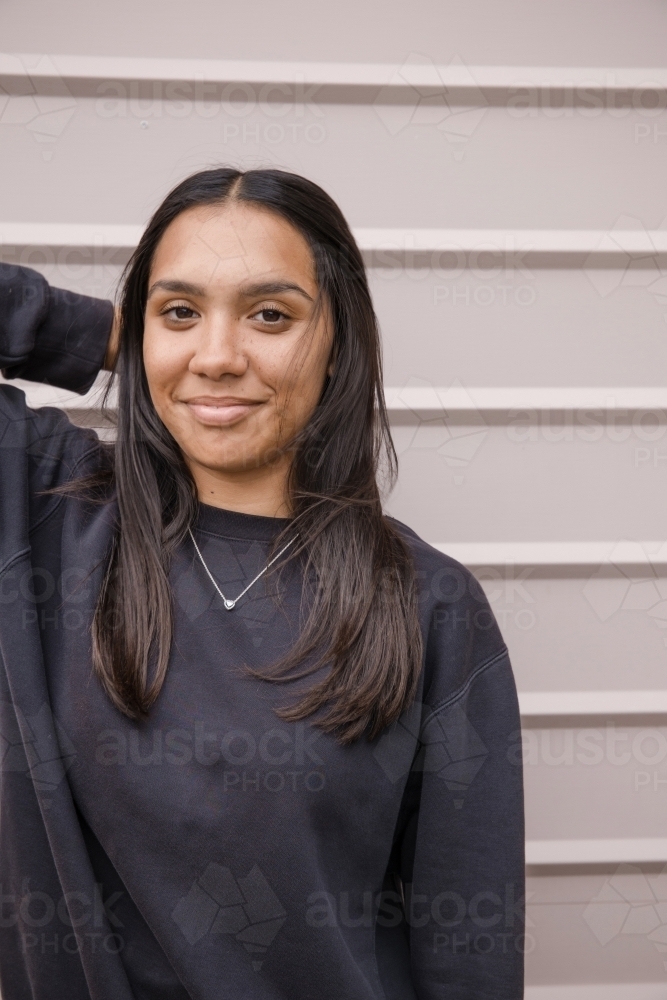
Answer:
(229, 604)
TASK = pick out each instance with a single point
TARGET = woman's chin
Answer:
(232, 463)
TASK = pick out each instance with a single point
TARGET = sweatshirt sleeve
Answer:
(462, 850)
(50, 335)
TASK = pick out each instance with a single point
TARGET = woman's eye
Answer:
(270, 316)
(181, 312)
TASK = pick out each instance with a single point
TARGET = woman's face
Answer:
(235, 363)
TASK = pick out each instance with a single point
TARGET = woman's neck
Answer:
(261, 491)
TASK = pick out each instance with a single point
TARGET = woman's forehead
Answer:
(235, 241)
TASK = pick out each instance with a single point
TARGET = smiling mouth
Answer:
(221, 412)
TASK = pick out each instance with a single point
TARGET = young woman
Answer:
(256, 734)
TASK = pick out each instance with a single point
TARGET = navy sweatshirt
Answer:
(212, 850)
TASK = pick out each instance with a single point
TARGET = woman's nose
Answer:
(220, 351)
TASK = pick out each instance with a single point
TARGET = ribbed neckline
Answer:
(232, 524)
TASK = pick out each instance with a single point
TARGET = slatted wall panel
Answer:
(514, 221)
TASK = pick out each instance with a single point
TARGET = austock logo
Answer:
(427, 101)
(218, 903)
(443, 742)
(71, 923)
(36, 746)
(614, 587)
(457, 442)
(43, 108)
(631, 902)
(641, 261)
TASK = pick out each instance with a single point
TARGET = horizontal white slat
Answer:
(46, 395)
(506, 398)
(581, 852)
(410, 74)
(598, 991)
(566, 703)
(557, 554)
(79, 236)
(506, 241)
(436, 400)
(638, 242)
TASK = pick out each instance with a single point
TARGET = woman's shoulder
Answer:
(436, 563)
(461, 635)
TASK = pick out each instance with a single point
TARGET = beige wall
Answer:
(571, 200)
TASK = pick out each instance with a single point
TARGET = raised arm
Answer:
(50, 335)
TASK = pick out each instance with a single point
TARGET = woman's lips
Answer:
(219, 413)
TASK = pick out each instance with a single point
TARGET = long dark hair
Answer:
(361, 623)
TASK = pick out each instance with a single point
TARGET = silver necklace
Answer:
(229, 604)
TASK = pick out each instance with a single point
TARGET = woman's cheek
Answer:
(162, 374)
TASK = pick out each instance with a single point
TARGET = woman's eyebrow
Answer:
(272, 288)
(250, 291)
(177, 287)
